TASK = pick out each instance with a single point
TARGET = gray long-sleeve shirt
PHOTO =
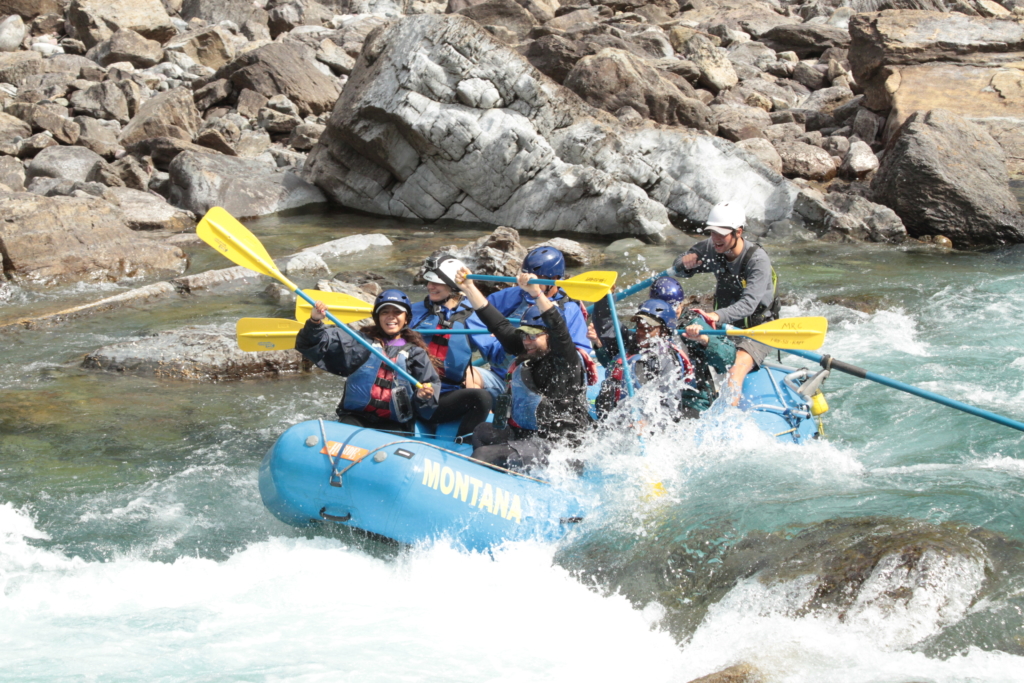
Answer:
(738, 294)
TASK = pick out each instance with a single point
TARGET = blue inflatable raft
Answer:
(412, 488)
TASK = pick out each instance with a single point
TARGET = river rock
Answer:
(213, 46)
(245, 187)
(576, 255)
(68, 163)
(284, 69)
(428, 155)
(500, 253)
(917, 61)
(613, 79)
(765, 152)
(93, 21)
(125, 45)
(170, 114)
(945, 175)
(106, 100)
(857, 218)
(207, 353)
(716, 71)
(806, 40)
(146, 211)
(859, 161)
(505, 13)
(68, 239)
(801, 160)
(346, 246)
(12, 32)
(12, 130)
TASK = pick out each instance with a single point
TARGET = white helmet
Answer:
(442, 270)
(725, 217)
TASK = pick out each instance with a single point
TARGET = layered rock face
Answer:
(439, 120)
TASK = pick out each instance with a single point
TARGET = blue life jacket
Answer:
(525, 398)
(371, 388)
(453, 350)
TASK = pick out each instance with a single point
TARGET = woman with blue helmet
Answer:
(375, 396)
(656, 354)
(547, 390)
(463, 395)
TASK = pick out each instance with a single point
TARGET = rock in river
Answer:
(207, 353)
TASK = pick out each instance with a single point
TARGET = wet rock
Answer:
(945, 175)
(737, 673)
(206, 353)
(68, 163)
(613, 79)
(801, 160)
(69, 239)
(170, 114)
(93, 21)
(346, 246)
(146, 211)
(245, 187)
(126, 45)
(212, 46)
(284, 69)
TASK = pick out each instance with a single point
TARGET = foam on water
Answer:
(315, 609)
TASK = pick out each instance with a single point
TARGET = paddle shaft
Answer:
(626, 374)
(833, 364)
(507, 278)
(273, 271)
(630, 291)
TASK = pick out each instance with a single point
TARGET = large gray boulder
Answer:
(147, 211)
(467, 139)
(171, 114)
(201, 353)
(945, 175)
(125, 45)
(93, 21)
(245, 187)
(67, 163)
(51, 240)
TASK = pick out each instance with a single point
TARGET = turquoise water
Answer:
(133, 543)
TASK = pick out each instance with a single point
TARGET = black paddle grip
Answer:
(830, 363)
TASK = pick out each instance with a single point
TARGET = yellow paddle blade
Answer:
(806, 334)
(223, 232)
(266, 334)
(346, 308)
(591, 286)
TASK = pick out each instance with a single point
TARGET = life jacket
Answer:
(526, 397)
(454, 351)
(729, 288)
(371, 388)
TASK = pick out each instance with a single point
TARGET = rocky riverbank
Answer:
(872, 121)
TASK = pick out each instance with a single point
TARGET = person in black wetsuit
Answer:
(375, 395)
(547, 388)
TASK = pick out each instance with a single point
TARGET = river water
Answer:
(133, 543)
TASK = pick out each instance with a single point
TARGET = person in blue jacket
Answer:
(375, 395)
(546, 263)
(464, 394)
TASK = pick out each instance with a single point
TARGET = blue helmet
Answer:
(659, 310)
(532, 318)
(667, 289)
(392, 297)
(544, 262)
